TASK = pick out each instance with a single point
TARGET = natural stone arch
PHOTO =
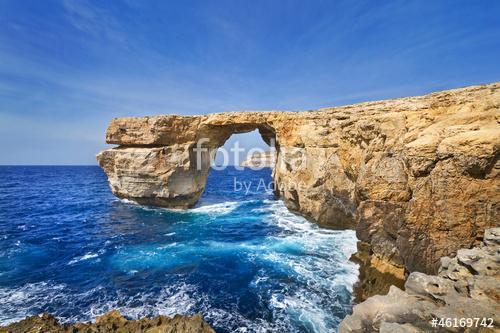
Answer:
(211, 137)
(417, 177)
(219, 134)
(165, 161)
(243, 149)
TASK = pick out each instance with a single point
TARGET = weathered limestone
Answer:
(466, 286)
(162, 176)
(418, 177)
(112, 321)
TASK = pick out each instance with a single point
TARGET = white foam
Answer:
(129, 201)
(219, 208)
(166, 246)
(324, 265)
(86, 256)
(180, 298)
(304, 308)
(303, 250)
(17, 303)
(211, 209)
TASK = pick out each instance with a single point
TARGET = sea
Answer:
(239, 257)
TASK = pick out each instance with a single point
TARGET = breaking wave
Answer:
(244, 262)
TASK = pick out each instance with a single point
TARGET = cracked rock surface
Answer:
(418, 177)
(111, 322)
(467, 286)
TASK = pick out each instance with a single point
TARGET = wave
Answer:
(325, 252)
(210, 209)
(28, 299)
(17, 303)
(128, 201)
(179, 298)
(218, 208)
(87, 256)
(278, 271)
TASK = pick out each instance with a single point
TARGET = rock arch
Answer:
(417, 177)
(165, 161)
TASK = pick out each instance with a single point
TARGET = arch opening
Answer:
(239, 148)
(234, 153)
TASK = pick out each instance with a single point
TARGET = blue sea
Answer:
(240, 258)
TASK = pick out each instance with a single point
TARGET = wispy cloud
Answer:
(67, 67)
(94, 20)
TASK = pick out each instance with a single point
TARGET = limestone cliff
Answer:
(466, 287)
(418, 177)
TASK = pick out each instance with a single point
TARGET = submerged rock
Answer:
(467, 286)
(112, 321)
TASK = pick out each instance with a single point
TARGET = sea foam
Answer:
(244, 262)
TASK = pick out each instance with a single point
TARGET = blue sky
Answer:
(68, 67)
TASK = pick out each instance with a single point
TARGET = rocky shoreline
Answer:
(466, 287)
(418, 178)
(112, 321)
(375, 277)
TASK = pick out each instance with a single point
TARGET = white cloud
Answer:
(94, 20)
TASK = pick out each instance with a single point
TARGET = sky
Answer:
(68, 67)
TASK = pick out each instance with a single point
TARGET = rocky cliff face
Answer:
(417, 177)
(465, 287)
(111, 322)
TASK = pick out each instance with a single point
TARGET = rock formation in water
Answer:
(109, 323)
(466, 286)
(418, 177)
(260, 160)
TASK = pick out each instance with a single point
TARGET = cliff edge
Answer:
(417, 177)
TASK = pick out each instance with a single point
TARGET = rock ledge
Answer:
(467, 286)
(112, 321)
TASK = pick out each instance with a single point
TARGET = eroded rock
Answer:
(111, 322)
(418, 176)
(459, 291)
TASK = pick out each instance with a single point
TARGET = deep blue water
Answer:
(69, 247)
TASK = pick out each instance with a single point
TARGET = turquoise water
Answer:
(242, 260)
